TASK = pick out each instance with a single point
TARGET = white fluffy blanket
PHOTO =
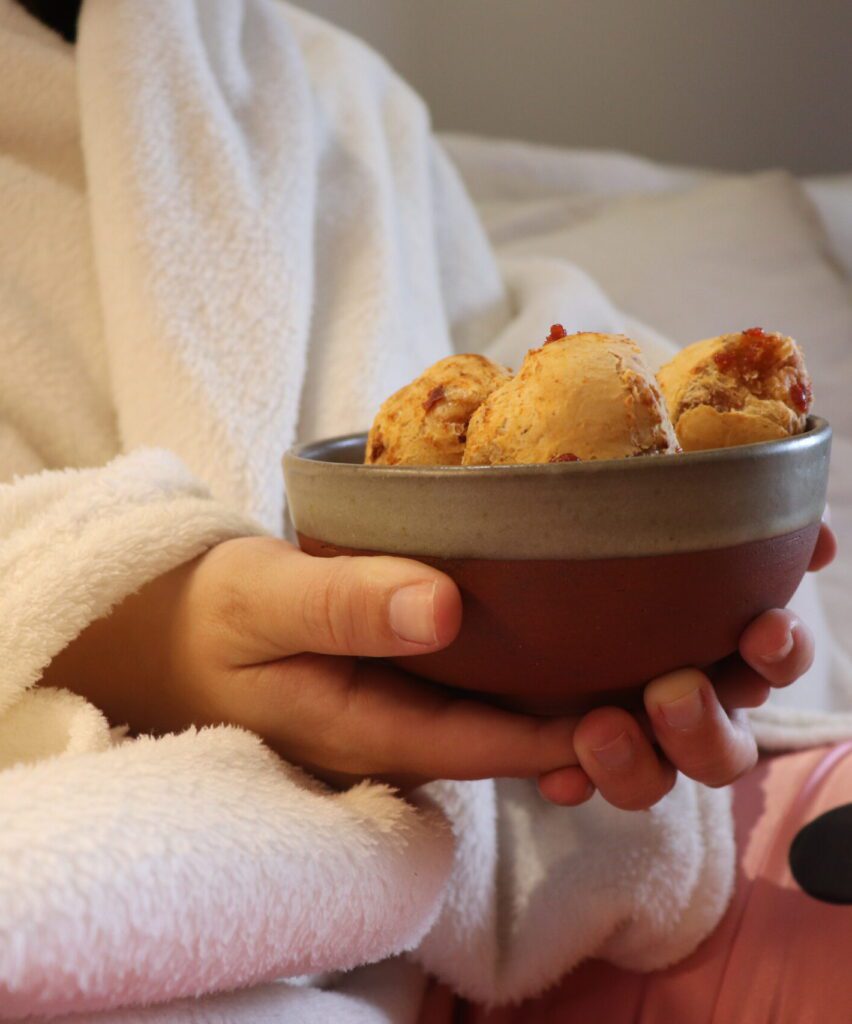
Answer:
(226, 226)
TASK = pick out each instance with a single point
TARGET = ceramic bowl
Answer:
(581, 580)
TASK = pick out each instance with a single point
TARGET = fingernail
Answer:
(684, 712)
(616, 754)
(411, 613)
(781, 653)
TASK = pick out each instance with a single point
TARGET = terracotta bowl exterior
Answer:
(580, 581)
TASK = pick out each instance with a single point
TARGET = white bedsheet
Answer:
(518, 174)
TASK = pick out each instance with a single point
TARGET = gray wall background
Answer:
(738, 84)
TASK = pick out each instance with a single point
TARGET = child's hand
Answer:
(699, 725)
(258, 634)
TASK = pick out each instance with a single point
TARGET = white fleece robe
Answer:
(226, 227)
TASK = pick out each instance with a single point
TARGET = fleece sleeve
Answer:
(138, 872)
(74, 543)
(173, 867)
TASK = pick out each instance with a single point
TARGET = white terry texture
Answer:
(192, 196)
(255, 176)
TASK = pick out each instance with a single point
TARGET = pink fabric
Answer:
(777, 957)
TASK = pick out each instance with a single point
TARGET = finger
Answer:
(567, 787)
(694, 730)
(778, 646)
(365, 718)
(825, 550)
(279, 601)
(620, 761)
(738, 685)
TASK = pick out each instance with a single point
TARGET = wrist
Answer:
(125, 663)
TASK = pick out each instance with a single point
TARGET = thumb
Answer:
(369, 606)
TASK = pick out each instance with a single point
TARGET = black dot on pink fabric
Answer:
(821, 856)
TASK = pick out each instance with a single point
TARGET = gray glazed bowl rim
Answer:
(656, 505)
(817, 432)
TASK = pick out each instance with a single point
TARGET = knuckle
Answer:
(327, 609)
(333, 733)
(229, 606)
(709, 752)
(224, 591)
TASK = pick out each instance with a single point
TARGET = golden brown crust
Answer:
(425, 423)
(584, 396)
(737, 389)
